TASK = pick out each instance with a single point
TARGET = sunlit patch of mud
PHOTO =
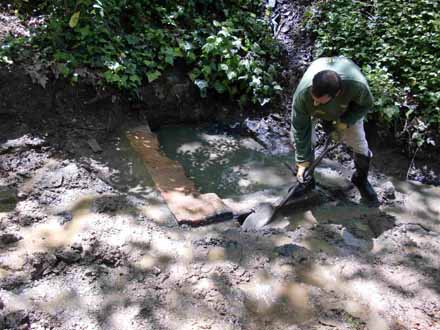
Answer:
(53, 235)
(421, 204)
(288, 302)
(157, 211)
(4, 273)
(361, 298)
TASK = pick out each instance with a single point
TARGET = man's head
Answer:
(325, 86)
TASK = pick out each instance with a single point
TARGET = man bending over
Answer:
(335, 91)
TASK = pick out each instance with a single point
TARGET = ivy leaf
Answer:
(219, 87)
(224, 67)
(153, 75)
(201, 84)
(169, 59)
(74, 19)
(206, 70)
(231, 75)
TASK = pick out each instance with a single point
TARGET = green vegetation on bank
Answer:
(397, 45)
(225, 45)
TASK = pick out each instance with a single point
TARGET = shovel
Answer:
(265, 212)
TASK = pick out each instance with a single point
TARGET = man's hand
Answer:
(301, 169)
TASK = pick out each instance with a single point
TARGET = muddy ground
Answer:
(86, 243)
(83, 249)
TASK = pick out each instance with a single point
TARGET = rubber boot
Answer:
(360, 177)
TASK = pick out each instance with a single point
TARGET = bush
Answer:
(397, 45)
(130, 42)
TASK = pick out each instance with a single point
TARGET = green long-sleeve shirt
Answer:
(349, 106)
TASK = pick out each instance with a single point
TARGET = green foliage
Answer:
(233, 63)
(397, 44)
(130, 42)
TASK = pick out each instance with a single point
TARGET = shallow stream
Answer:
(224, 163)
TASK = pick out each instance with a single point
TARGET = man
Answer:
(335, 91)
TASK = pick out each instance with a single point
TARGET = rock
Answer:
(272, 3)
(26, 220)
(21, 195)
(65, 217)
(352, 241)
(110, 204)
(331, 179)
(24, 141)
(292, 251)
(7, 238)
(39, 263)
(77, 247)
(14, 320)
(69, 256)
(388, 190)
(285, 28)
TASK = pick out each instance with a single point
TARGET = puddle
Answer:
(8, 200)
(226, 164)
(129, 169)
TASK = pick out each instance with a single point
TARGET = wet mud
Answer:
(87, 243)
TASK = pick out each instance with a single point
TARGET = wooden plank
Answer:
(180, 193)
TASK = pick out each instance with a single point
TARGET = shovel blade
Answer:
(261, 217)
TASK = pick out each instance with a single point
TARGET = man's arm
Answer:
(301, 127)
(362, 102)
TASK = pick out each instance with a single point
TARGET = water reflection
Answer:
(222, 162)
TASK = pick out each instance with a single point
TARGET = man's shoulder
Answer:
(301, 93)
(344, 66)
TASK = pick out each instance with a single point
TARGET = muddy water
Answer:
(130, 170)
(8, 201)
(226, 164)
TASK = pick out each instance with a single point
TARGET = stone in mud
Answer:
(331, 179)
(22, 195)
(27, 220)
(39, 263)
(17, 320)
(65, 217)
(24, 141)
(388, 190)
(352, 241)
(7, 238)
(293, 251)
(69, 256)
(110, 204)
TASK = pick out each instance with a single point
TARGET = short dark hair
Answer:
(326, 82)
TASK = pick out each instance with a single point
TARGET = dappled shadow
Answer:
(154, 275)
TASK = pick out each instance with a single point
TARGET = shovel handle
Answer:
(307, 174)
(318, 160)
